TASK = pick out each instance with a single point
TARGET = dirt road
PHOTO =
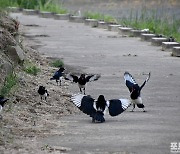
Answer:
(94, 50)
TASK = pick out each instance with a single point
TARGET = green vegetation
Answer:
(10, 82)
(57, 63)
(43, 5)
(27, 4)
(158, 25)
(31, 68)
(5, 3)
(53, 8)
(99, 16)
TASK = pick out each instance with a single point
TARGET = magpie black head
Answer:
(101, 103)
(82, 76)
(41, 90)
(61, 69)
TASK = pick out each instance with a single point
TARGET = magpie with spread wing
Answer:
(58, 75)
(82, 80)
(135, 90)
(96, 108)
(2, 102)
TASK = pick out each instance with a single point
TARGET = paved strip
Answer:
(99, 51)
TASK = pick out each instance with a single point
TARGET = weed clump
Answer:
(57, 63)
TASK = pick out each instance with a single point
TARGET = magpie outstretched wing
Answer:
(86, 104)
(72, 77)
(94, 77)
(117, 106)
(129, 80)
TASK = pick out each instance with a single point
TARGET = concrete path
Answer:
(96, 50)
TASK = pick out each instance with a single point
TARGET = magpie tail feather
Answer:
(98, 117)
(140, 105)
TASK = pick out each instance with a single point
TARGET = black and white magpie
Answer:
(96, 108)
(43, 92)
(2, 102)
(82, 80)
(58, 75)
(135, 90)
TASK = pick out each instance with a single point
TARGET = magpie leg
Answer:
(80, 90)
(57, 82)
(41, 98)
(144, 110)
(84, 91)
(1, 118)
(133, 108)
(60, 82)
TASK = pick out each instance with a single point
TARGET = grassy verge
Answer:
(43, 5)
(53, 8)
(99, 16)
(158, 25)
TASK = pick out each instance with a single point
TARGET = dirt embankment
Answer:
(25, 117)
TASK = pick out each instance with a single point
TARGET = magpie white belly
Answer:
(81, 86)
(137, 101)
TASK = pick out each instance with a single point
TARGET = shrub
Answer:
(57, 63)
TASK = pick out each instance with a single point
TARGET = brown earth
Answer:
(25, 116)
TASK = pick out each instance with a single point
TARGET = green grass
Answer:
(99, 16)
(31, 68)
(10, 82)
(43, 5)
(51, 7)
(6, 3)
(57, 63)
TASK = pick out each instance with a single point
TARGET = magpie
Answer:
(171, 39)
(58, 75)
(43, 92)
(135, 90)
(2, 102)
(82, 80)
(96, 108)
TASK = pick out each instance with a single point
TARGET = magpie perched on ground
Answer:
(96, 108)
(43, 92)
(135, 90)
(82, 80)
(2, 102)
(58, 75)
